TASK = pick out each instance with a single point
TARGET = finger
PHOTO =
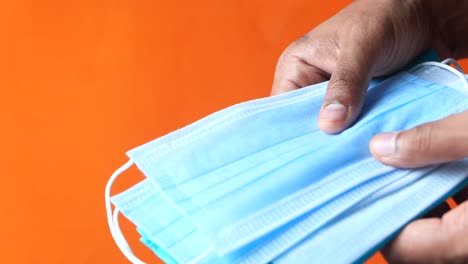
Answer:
(422, 241)
(300, 65)
(432, 143)
(432, 240)
(415, 244)
(348, 84)
(294, 73)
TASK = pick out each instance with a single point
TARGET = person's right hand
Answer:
(373, 38)
(366, 39)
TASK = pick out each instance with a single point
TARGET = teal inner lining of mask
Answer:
(155, 248)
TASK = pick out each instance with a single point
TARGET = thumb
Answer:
(432, 240)
(347, 86)
(436, 142)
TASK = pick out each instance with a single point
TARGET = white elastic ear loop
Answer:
(113, 218)
(445, 66)
(454, 62)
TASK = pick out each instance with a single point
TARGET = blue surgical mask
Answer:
(162, 226)
(409, 197)
(258, 182)
(364, 228)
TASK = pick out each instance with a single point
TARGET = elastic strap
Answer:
(454, 62)
(113, 218)
(444, 64)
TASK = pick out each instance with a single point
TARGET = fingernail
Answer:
(384, 145)
(334, 112)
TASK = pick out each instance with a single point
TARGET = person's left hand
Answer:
(442, 239)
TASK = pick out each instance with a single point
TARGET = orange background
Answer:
(84, 81)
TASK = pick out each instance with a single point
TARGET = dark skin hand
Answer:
(373, 38)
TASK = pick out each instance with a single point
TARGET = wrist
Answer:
(448, 26)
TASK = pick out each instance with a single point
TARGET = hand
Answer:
(366, 39)
(373, 38)
(440, 239)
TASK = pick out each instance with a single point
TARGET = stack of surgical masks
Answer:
(258, 182)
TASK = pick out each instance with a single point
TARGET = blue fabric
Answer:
(163, 255)
(259, 182)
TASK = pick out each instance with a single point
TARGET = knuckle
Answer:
(419, 140)
(346, 77)
(347, 87)
(281, 59)
(303, 39)
(305, 46)
(288, 56)
(296, 53)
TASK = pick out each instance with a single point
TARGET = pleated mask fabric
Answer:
(259, 182)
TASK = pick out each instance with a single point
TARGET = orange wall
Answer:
(83, 81)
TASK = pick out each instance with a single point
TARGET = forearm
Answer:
(449, 26)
